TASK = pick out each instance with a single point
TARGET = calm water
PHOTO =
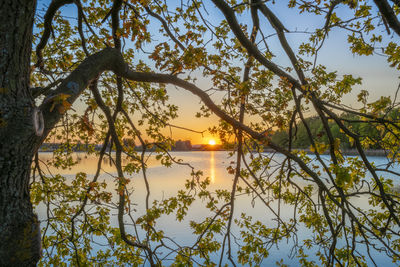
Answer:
(165, 182)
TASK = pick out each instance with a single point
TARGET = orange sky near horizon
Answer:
(194, 138)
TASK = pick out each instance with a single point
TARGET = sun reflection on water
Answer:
(212, 167)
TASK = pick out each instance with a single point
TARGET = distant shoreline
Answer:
(347, 152)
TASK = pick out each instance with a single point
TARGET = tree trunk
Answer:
(19, 227)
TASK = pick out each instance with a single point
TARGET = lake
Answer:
(165, 182)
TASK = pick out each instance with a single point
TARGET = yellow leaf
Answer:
(60, 99)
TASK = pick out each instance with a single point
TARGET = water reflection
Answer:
(212, 167)
(166, 182)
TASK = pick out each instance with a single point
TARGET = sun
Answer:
(211, 142)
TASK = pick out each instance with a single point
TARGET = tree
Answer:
(98, 58)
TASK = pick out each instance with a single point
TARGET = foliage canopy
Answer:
(117, 59)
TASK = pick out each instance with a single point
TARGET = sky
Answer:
(378, 78)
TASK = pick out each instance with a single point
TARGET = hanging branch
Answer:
(55, 5)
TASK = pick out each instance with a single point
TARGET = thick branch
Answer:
(251, 48)
(280, 30)
(388, 15)
(78, 80)
(115, 22)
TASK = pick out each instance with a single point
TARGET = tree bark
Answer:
(19, 227)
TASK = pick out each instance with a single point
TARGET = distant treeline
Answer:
(372, 135)
(370, 132)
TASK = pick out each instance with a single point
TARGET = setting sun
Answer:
(211, 142)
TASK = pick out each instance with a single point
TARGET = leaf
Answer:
(60, 99)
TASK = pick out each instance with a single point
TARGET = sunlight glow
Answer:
(211, 142)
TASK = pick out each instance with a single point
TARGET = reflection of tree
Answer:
(92, 59)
